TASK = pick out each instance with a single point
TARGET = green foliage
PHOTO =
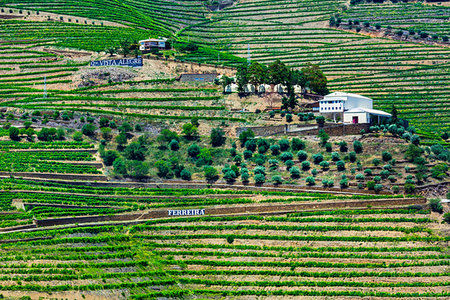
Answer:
(109, 157)
(164, 170)
(245, 136)
(284, 144)
(316, 80)
(436, 205)
(189, 131)
(210, 173)
(324, 165)
(286, 156)
(276, 179)
(295, 172)
(306, 165)
(324, 137)
(310, 180)
(340, 165)
(447, 218)
(193, 150)
(413, 152)
(387, 156)
(14, 133)
(135, 151)
(137, 169)
(275, 149)
(259, 178)
(357, 147)
(217, 137)
(89, 129)
(298, 144)
(174, 145)
(409, 188)
(302, 155)
(317, 158)
(77, 136)
(120, 167)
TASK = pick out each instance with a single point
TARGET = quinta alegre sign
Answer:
(126, 62)
(187, 212)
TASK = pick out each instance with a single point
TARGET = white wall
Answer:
(354, 102)
(363, 117)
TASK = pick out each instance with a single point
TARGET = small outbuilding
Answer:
(208, 77)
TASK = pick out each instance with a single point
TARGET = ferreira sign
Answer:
(125, 62)
(187, 212)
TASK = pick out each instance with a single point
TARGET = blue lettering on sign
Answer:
(125, 62)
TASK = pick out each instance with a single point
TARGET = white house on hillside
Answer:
(147, 45)
(351, 108)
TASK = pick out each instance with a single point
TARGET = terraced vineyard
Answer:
(433, 19)
(150, 99)
(392, 252)
(414, 76)
(163, 17)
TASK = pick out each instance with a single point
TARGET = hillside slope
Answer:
(412, 75)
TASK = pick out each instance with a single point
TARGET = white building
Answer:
(351, 108)
(147, 45)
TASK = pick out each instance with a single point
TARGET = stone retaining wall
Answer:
(253, 209)
(55, 176)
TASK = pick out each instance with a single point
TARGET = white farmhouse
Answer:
(351, 108)
(147, 45)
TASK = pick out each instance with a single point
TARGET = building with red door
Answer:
(350, 108)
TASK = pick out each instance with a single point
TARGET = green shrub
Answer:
(174, 145)
(352, 156)
(286, 156)
(324, 165)
(317, 158)
(387, 156)
(246, 135)
(185, 174)
(302, 155)
(284, 144)
(378, 187)
(396, 189)
(447, 218)
(343, 183)
(289, 163)
(409, 188)
(89, 129)
(277, 179)
(371, 185)
(298, 144)
(340, 165)
(217, 137)
(357, 147)
(193, 150)
(335, 156)
(259, 178)
(275, 149)
(310, 180)
(14, 133)
(210, 173)
(343, 146)
(306, 165)
(77, 136)
(436, 205)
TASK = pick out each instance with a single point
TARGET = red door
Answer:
(355, 120)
